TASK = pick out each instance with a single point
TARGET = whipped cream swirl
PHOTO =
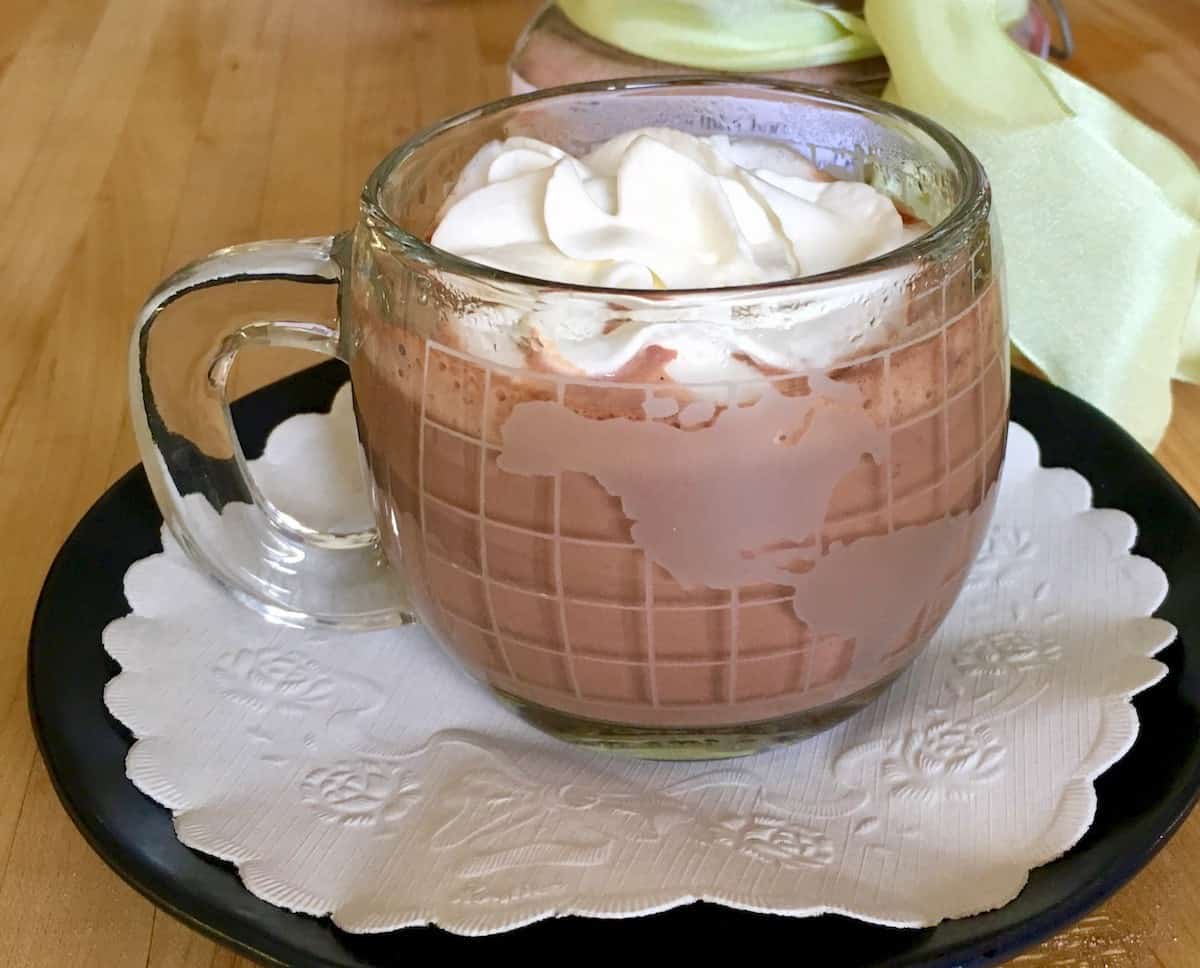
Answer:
(656, 208)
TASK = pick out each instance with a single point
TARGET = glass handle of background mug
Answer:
(179, 372)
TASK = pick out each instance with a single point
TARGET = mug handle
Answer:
(290, 572)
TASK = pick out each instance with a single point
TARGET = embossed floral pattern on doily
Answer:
(432, 803)
(770, 840)
(491, 809)
(943, 758)
(270, 677)
(359, 792)
(1008, 651)
(495, 805)
(1007, 548)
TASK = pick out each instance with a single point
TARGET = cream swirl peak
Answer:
(656, 208)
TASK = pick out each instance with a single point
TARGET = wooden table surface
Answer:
(136, 135)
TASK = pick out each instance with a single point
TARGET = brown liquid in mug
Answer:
(676, 556)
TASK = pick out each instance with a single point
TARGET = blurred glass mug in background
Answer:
(575, 41)
(665, 568)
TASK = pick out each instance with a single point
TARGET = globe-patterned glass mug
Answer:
(662, 566)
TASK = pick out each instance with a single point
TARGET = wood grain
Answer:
(138, 134)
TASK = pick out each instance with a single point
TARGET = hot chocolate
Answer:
(648, 516)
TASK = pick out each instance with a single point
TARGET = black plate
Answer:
(1141, 800)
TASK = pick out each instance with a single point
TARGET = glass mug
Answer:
(552, 51)
(670, 569)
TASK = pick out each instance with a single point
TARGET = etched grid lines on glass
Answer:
(985, 361)
(888, 476)
(559, 588)
(951, 399)
(734, 608)
(648, 618)
(422, 496)
(483, 561)
(943, 341)
(928, 354)
(793, 653)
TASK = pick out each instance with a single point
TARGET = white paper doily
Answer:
(366, 777)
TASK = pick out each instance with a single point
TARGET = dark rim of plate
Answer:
(1142, 798)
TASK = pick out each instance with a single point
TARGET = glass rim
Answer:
(971, 209)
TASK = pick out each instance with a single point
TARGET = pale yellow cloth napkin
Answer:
(1099, 215)
(727, 35)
